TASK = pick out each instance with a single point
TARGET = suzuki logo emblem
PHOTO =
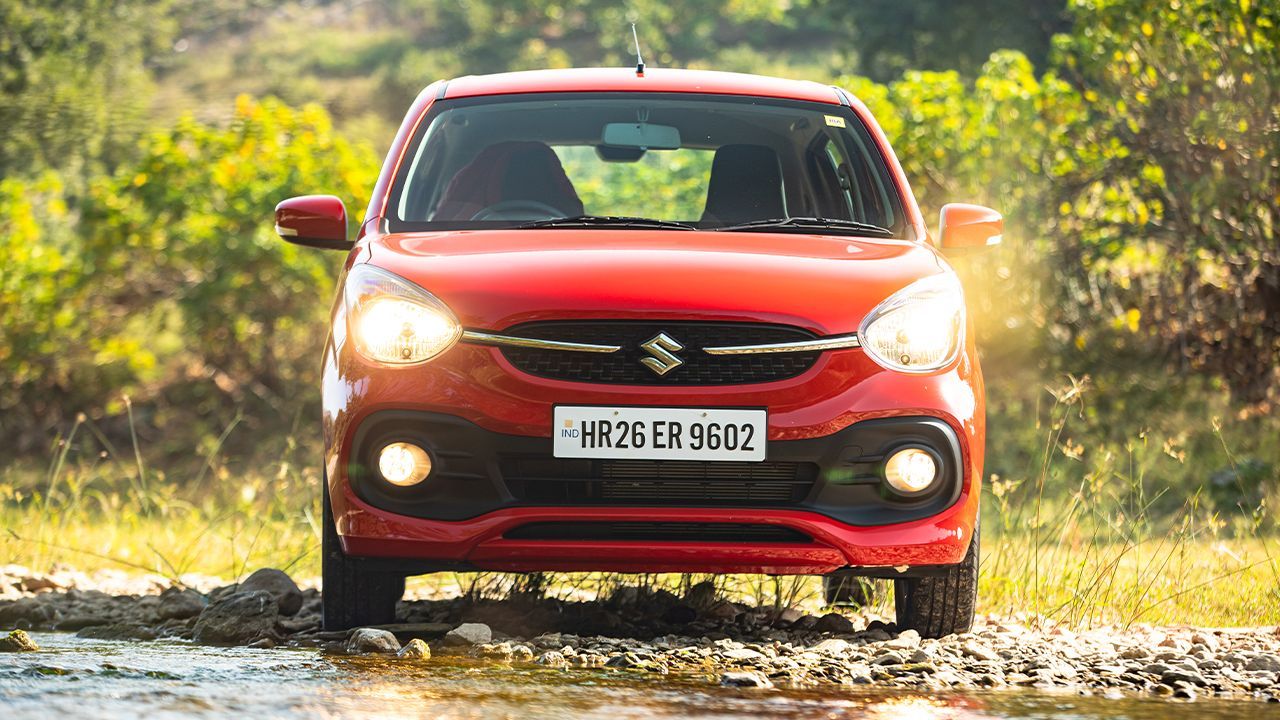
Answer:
(662, 347)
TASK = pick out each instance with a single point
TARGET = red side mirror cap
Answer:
(313, 220)
(968, 228)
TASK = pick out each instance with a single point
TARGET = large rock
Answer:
(363, 641)
(27, 612)
(237, 618)
(279, 584)
(469, 634)
(179, 604)
(833, 623)
(1267, 663)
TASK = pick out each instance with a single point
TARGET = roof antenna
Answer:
(639, 59)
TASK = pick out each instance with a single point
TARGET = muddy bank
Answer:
(698, 633)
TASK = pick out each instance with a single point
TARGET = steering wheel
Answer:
(518, 210)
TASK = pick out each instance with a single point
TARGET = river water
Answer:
(72, 677)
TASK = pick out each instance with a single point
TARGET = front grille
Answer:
(656, 532)
(625, 367)
(565, 481)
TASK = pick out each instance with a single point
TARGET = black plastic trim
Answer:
(467, 481)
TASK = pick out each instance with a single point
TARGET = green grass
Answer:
(1114, 548)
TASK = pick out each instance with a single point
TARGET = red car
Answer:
(659, 321)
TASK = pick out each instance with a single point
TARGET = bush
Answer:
(179, 291)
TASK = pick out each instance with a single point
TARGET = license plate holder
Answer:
(659, 433)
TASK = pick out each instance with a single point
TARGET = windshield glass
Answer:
(706, 161)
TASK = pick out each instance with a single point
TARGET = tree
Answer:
(1170, 188)
(889, 37)
(73, 84)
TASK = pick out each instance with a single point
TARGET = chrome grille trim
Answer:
(832, 342)
(482, 338)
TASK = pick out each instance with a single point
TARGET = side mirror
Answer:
(313, 220)
(964, 228)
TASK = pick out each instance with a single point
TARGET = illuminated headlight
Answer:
(404, 464)
(911, 471)
(918, 328)
(395, 322)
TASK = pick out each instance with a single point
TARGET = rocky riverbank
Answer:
(660, 632)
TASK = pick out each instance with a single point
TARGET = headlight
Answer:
(394, 321)
(918, 328)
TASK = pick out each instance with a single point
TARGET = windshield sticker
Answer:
(835, 120)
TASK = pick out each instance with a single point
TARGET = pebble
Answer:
(646, 631)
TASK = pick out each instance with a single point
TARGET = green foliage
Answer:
(1136, 165)
(1170, 188)
(178, 282)
(667, 185)
(73, 88)
(891, 36)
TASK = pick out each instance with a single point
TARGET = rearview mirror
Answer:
(642, 135)
(964, 228)
(313, 220)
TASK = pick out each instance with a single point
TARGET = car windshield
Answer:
(645, 161)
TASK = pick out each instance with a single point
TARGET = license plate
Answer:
(646, 433)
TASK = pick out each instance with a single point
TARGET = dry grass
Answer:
(1097, 554)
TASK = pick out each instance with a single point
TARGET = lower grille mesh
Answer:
(660, 482)
(657, 532)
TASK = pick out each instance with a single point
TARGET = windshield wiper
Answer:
(810, 223)
(607, 221)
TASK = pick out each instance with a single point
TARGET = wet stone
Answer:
(745, 680)
(237, 618)
(552, 659)
(118, 631)
(18, 641)
(282, 587)
(179, 604)
(469, 634)
(364, 641)
(415, 650)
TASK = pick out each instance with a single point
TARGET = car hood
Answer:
(494, 279)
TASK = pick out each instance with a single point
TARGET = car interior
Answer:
(487, 161)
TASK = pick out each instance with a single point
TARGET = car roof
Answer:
(653, 80)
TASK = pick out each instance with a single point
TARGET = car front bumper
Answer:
(473, 413)
(479, 509)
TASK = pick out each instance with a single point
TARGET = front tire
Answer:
(939, 606)
(353, 595)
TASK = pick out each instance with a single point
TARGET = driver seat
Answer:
(745, 185)
(509, 171)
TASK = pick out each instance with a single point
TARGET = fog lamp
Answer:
(404, 464)
(911, 470)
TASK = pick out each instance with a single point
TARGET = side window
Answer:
(866, 187)
(831, 198)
